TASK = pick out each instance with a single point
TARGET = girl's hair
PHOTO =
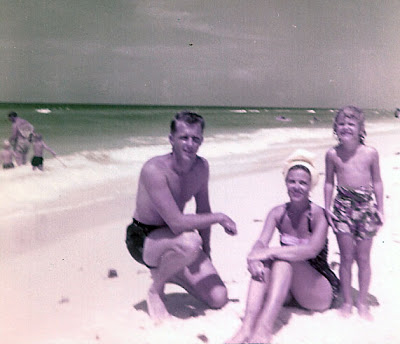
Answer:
(355, 113)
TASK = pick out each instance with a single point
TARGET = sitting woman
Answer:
(298, 268)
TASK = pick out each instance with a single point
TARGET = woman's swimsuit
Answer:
(320, 262)
(136, 233)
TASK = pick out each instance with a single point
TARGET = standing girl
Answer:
(356, 216)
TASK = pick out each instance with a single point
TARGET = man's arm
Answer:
(156, 184)
(203, 206)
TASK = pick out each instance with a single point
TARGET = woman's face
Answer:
(298, 183)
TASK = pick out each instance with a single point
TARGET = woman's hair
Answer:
(187, 117)
(299, 167)
(355, 113)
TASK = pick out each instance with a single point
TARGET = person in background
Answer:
(39, 146)
(20, 137)
(7, 155)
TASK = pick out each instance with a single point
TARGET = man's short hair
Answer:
(12, 114)
(187, 117)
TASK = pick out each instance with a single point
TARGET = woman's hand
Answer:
(256, 269)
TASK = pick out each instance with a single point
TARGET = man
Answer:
(20, 137)
(176, 246)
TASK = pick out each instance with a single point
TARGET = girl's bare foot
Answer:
(345, 310)
(364, 313)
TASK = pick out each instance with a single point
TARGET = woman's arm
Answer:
(329, 186)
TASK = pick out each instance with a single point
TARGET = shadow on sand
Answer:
(180, 305)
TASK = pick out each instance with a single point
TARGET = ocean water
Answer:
(100, 144)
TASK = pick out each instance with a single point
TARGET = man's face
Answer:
(186, 140)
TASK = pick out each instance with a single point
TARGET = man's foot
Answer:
(363, 312)
(156, 307)
(345, 310)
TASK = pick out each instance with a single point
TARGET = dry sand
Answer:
(55, 285)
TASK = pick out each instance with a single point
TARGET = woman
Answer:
(298, 268)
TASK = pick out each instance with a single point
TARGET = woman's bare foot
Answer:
(345, 310)
(241, 336)
(364, 313)
(262, 335)
(156, 307)
(261, 338)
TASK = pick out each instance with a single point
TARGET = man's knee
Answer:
(190, 243)
(218, 297)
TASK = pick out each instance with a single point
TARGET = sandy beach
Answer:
(66, 276)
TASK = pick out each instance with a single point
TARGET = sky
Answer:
(275, 53)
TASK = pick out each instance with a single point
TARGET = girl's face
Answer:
(298, 184)
(347, 129)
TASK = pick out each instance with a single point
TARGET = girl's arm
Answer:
(377, 182)
(301, 252)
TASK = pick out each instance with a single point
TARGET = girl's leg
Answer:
(347, 253)
(279, 285)
(255, 299)
(363, 253)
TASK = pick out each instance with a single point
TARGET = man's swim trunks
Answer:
(357, 213)
(10, 165)
(37, 161)
(136, 233)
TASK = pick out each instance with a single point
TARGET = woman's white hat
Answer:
(304, 158)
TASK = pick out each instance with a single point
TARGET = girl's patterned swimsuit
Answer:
(356, 212)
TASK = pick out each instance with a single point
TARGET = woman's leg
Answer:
(279, 285)
(363, 253)
(255, 299)
(347, 255)
(310, 289)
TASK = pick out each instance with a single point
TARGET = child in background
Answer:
(356, 218)
(38, 147)
(7, 155)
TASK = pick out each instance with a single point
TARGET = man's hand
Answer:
(228, 224)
